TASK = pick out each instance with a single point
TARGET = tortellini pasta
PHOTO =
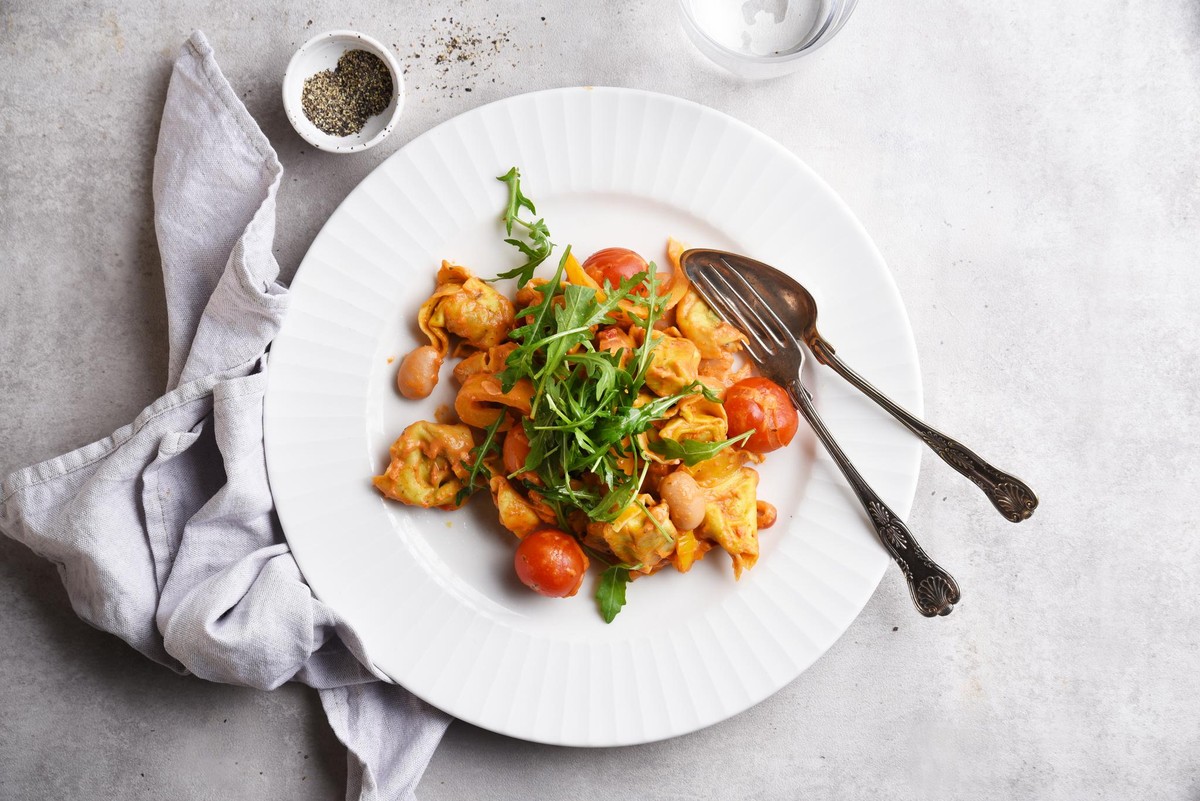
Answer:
(719, 375)
(466, 307)
(482, 399)
(427, 465)
(697, 418)
(674, 364)
(483, 361)
(712, 335)
(731, 516)
(640, 539)
(519, 514)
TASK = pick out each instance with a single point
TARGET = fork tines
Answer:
(738, 303)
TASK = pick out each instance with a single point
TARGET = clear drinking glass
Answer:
(762, 38)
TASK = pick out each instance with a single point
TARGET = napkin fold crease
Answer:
(165, 533)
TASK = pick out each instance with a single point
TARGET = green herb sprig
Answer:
(478, 454)
(610, 595)
(539, 246)
(691, 451)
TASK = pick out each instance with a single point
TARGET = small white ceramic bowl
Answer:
(322, 53)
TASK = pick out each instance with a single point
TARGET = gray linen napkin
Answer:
(165, 533)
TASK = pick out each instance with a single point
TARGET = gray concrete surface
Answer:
(1030, 172)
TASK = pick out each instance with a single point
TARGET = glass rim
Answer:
(828, 28)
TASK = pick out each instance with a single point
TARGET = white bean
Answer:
(684, 500)
(418, 373)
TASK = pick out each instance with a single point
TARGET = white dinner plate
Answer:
(432, 594)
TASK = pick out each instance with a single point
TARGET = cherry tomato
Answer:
(516, 449)
(762, 405)
(551, 563)
(611, 265)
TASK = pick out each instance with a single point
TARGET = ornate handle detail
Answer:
(933, 590)
(1009, 494)
(1013, 497)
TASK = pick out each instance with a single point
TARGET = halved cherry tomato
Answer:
(516, 449)
(612, 265)
(762, 405)
(551, 563)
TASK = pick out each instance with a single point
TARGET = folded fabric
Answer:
(165, 533)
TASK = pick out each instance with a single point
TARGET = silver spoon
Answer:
(797, 309)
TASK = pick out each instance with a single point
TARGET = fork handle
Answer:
(1009, 494)
(933, 590)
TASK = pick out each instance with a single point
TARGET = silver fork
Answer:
(777, 354)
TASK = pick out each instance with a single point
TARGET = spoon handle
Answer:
(1011, 496)
(933, 590)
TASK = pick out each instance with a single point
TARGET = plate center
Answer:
(468, 551)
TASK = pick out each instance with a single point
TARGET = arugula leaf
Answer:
(538, 249)
(623, 494)
(521, 363)
(478, 454)
(537, 453)
(601, 370)
(516, 198)
(611, 592)
(633, 420)
(692, 451)
(580, 311)
(652, 302)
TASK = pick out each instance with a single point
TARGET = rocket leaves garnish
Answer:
(538, 248)
(692, 451)
(611, 592)
(486, 448)
(588, 427)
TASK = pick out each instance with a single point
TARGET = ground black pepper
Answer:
(341, 100)
(454, 55)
